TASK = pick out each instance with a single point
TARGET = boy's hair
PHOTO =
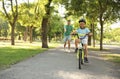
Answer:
(82, 20)
(68, 20)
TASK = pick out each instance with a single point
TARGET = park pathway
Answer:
(56, 64)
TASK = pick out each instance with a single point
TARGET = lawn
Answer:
(109, 57)
(112, 57)
(10, 55)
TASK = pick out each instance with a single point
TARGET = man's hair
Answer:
(82, 20)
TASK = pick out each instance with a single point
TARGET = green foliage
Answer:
(116, 34)
(27, 15)
(3, 27)
(55, 26)
(111, 35)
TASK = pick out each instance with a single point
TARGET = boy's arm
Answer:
(89, 33)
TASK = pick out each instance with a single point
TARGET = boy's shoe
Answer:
(86, 60)
(76, 50)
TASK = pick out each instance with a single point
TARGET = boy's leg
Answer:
(86, 53)
(84, 41)
(85, 50)
(76, 44)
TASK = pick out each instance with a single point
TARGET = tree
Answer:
(30, 17)
(55, 29)
(12, 17)
(108, 11)
(45, 24)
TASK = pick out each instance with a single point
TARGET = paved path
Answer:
(56, 64)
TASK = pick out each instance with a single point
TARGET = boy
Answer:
(67, 34)
(83, 31)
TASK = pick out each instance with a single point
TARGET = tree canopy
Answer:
(41, 19)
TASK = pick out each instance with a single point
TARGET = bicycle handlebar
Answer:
(78, 36)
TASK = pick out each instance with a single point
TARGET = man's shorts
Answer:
(66, 38)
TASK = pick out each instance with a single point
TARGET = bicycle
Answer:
(80, 51)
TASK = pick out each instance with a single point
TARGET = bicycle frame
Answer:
(80, 55)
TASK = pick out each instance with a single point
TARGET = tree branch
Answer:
(3, 4)
(13, 13)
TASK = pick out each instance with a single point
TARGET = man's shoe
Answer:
(68, 50)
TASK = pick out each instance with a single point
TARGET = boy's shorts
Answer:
(84, 41)
(66, 38)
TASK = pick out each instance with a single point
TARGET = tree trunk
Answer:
(101, 32)
(93, 35)
(44, 33)
(31, 32)
(45, 25)
(19, 37)
(12, 35)
(89, 39)
(0, 32)
(26, 34)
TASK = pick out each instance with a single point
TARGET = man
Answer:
(82, 30)
(67, 34)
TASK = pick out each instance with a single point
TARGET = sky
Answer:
(115, 25)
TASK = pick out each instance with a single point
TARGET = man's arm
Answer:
(64, 28)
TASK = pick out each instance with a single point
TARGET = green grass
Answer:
(10, 55)
(112, 57)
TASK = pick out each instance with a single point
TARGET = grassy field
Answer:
(22, 50)
(112, 57)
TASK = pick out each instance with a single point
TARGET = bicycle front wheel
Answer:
(80, 58)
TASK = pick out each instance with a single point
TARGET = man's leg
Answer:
(65, 41)
(69, 39)
(64, 45)
(69, 44)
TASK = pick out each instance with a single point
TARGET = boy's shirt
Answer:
(83, 32)
(69, 29)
